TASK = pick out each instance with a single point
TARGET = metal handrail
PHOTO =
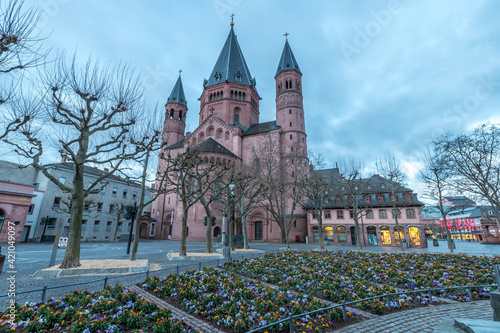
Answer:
(344, 304)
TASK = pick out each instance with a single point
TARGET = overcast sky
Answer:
(378, 76)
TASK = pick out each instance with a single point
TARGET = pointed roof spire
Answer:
(177, 94)
(287, 61)
(231, 65)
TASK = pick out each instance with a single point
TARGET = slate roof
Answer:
(231, 65)
(328, 174)
(177, 94)
(212, 146)
(179, 144)
(287, 61)
(262, 128)
(461, 201)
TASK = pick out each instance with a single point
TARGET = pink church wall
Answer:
(15, 200)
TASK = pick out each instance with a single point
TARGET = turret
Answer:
(175, 115)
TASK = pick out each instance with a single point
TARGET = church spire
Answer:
(177, 94)
(231, 65)
(287, 61)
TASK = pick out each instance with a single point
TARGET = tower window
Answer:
(244, 96)
(236, 118)
(237, 76)
(291, 137)
(180, 116)
(290, 111)
(217, 76)
(231, 95)
(290, 124)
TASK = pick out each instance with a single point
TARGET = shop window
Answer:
(400, 234)
(329, 233)
(385, 234)
(342, 234)
(414, 235)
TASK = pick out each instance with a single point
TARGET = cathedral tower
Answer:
(229, 93)
(289, 107)
(175, 115)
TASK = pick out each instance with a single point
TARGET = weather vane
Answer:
(286, 35)
(180, 71)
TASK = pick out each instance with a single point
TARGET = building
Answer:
(103, 217)
(229, 127)
(15, 201)
(377, 223)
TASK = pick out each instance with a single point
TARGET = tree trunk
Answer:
(231, 230)
(208, 249)
(72, 254)
(182, 252)
(118, 218)
(319, 217)
(138, 215)
(396, 213)
(244, 223)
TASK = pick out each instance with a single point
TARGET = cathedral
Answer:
(228, 130)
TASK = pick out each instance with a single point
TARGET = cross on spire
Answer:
(180, 71)
(212, 110)
(286, 35)
(232, 16)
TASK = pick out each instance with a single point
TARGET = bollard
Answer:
(291, 326)
(388, 301)
(344, 312)
(177, 269)
(44, 291)
(497, 275)
(469, 291)
(105, 282)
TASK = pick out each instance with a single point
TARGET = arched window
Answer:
(216, 231)
(210, 131)
(218, 134)
(243, 95)
(315, 233)
(201, 137)
(222, 94)
(236, 118)
(226, 135)
(180, 116)
(231, 94)
(407, 197)
(239, 95)
(171, 113)
(286, 84)
(210, 97)
(341, 231)
(290, 84)
(329, 233)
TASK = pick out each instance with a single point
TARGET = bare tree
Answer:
(437, 177)
(474, 162)
(280, 171)
(91, 109)
(117, 211)
(318, 187)
(20, 49)
(352, 188)
(392, 170)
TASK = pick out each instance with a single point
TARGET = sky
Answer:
(378, 76)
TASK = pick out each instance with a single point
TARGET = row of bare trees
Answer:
(458, 164)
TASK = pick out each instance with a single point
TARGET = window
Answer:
(152, 229)
(125, 192)
(382, 185)
(380, 198)
(84, 225)
(367, 198)
(393, 198)
(290, 111)
(31, 208)
(291, 137)
(103, 190)
(338, 200)
(314, 215)
(108, 226)
(351, 214)
(51, 224)
(369, 214)
(128, 227)
(340, 214)
(134, 195)
(407, 197)
(382, 214)
(120, 226)
(62, 180)
(115, 192)
(290, 124)
(36, 185)
(410, 213)
(57, 202)
(96, 225)
(111, 208)
(99, 207)
(328, 214)
(395, 213)
(86, 207)
(369, 187)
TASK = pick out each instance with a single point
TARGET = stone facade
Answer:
(15, 201)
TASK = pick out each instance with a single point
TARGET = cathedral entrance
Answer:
(258, 230)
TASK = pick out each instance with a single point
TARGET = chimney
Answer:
(376, 175)
(63, 158)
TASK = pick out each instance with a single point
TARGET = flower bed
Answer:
(236, 304)
(114, 309)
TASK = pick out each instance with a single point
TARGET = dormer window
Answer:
(407, 197)
(237, 76)
(380, 198)
(382, 185)
(217, 76)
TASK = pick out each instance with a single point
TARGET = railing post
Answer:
(497, 275)
(429, 293)
(469, 291)
(177, 269)
(388, 301)
(344, 312)
(44, 292)
(147, 273)
(291, 324)
(199, 266)
(217, 262)
(105, 282)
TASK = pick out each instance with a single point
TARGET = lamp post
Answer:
(44, 221)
